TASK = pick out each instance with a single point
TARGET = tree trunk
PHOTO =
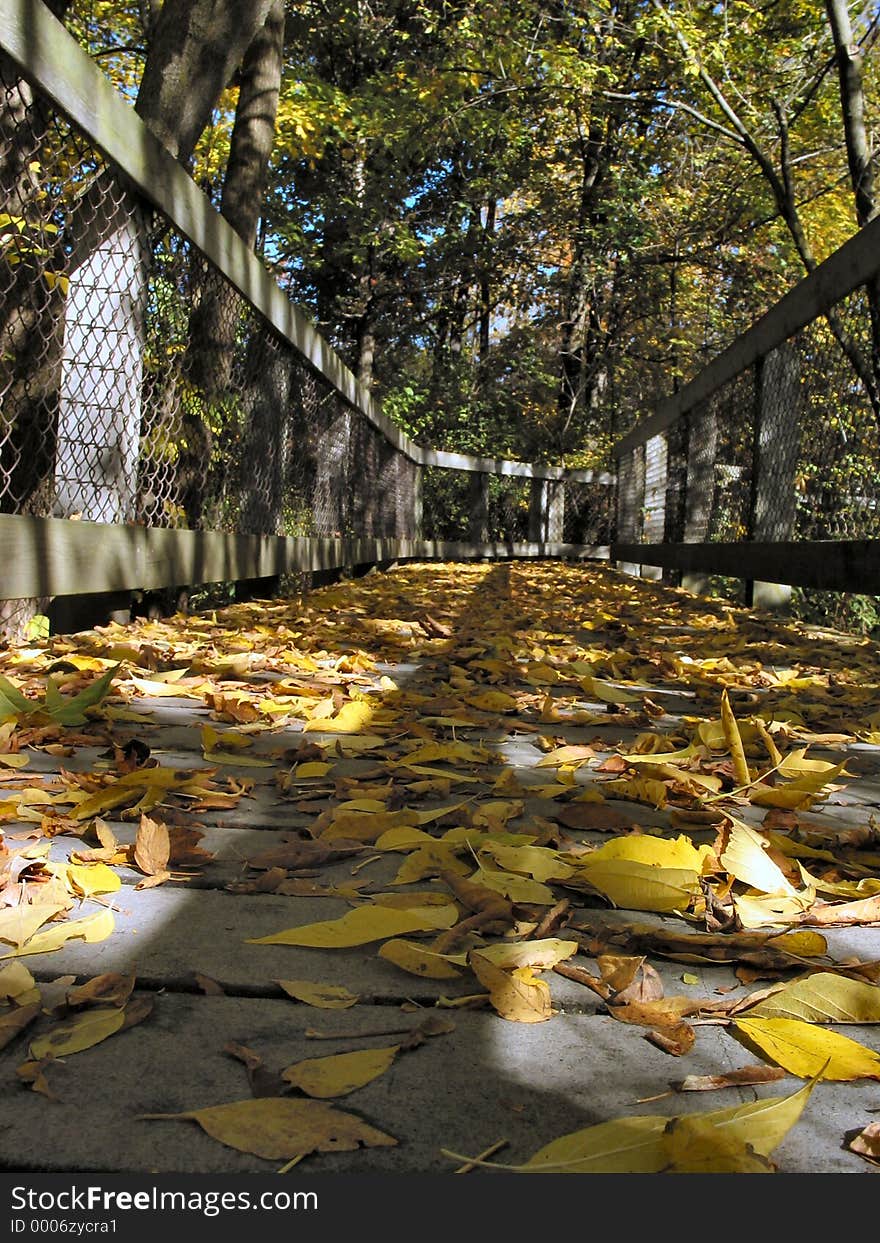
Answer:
(195, 48)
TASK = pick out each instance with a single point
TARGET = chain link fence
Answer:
(787, 449)
(139, 386)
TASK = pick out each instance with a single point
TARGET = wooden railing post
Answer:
(702, 434)
(478, 508)
(775, 453)
(654, 519)
(546, 511)
(630, 502)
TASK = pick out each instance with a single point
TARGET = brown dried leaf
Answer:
(15, 1021)
(208, 986)
(867, 1143)
(152, 847)
(743, 1077)
(675, 1041)
(305, 854)
(33, 1073)
(597, 817)
(109, 989)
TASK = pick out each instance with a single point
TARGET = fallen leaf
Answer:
(341, 1073)
(14, 1022)
(152, 847)
(324, 996)
(517, 995)
(867, 1143)
(806, 1050)
(362, 925)
(693, 1145)
(418, 960)
(80, 1032)
(636, 1145)
(91, 928)
(277, 1128)
(744, 1076)
(109, 989)
(823, 997)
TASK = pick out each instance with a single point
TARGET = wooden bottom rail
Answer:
(48, 557)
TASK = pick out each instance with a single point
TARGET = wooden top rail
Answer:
(855, 263)
(54, 62)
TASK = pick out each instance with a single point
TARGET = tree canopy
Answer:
(518, 224)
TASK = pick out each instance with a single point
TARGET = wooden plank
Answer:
(830, 565)
(59, 557)
(506, 466)
(844, 271)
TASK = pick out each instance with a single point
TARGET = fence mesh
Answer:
(787, 450)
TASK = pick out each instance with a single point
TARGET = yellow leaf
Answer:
(340, 1073)
(279, 1128)
(803, 1049)
(445, 752)
(538, 862)
(91, 928)
(417, 960)
(694, 1146)
(796, 765)
(86, 879)
(605, 692)
(314, 768)
(155, 688)
(566, 755)
(16, 982)
(362, 925)
(81, 1032)
(13, 759)
(516, 995)
(430, 861)
(823, 997)
(366, 826)
(516, 888)
(653, 851)
(772, 908)
(231, 757)
(641, 887)
(437, 813)
(745, 858)
(539, 955)
(404, 838)
(637, 790)
(805, 944)
(734, 741)
(636, 1145)
(19, 923)
(352, 718)
(323, 996)
(492, 701)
